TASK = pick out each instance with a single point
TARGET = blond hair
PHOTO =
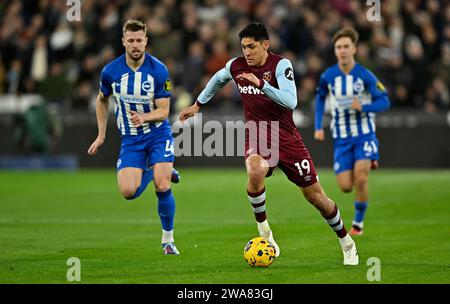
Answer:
(134, 25)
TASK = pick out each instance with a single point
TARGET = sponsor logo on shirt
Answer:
(249, 90)
(289, 73)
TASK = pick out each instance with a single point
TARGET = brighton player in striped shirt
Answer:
(355, 95)
(268, 93)
(141, 87)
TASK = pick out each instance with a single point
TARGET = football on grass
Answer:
(259, 252)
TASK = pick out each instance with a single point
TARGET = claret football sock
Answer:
(336, 223)
(258, 201)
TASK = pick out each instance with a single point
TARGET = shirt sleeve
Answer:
(105, 83)
(380, 99)
(163, 86)
(218, 81)
(321, 95)
(286, 95)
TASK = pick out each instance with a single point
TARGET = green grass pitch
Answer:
(48, 217)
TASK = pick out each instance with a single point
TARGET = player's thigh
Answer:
(345, 180)
(129, 179)
(298, 166)
(161, 158)
(343, 157)
(257, 166)
(130, 166)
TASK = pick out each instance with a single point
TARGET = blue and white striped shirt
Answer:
(135, 91)
(340, 89)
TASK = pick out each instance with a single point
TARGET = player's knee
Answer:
(346, 188)
(128, 193)
(162, 185)
(256, 175)
(361, 181)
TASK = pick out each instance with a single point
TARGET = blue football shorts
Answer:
(143, 151)
(346, 153)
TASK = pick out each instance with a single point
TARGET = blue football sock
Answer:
(166, 209)
(360, 211)
(147, 177)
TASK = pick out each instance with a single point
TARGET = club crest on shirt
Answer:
(358, 86)
(147, 86)
(267, 76)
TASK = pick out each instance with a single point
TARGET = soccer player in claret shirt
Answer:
(268, 93)
(140, 85)
(355, 96)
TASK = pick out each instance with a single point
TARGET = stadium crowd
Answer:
(42, 52)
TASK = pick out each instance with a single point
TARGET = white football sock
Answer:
(167, 236)
(359, 224)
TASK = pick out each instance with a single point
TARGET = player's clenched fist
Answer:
(251, 78)
(137, 118)
(319, 135)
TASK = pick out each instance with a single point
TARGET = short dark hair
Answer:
(346, 32)
(134, 25)
(255, 30)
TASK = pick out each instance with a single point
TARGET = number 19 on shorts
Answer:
(304, 165)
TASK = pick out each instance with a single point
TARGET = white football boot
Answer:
(272, 241)
(265, 231)
(349, 250)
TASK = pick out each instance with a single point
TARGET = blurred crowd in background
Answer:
(42, 52)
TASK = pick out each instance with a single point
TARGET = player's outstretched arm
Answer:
(321, 93)
(101, 110)
(218, 81)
